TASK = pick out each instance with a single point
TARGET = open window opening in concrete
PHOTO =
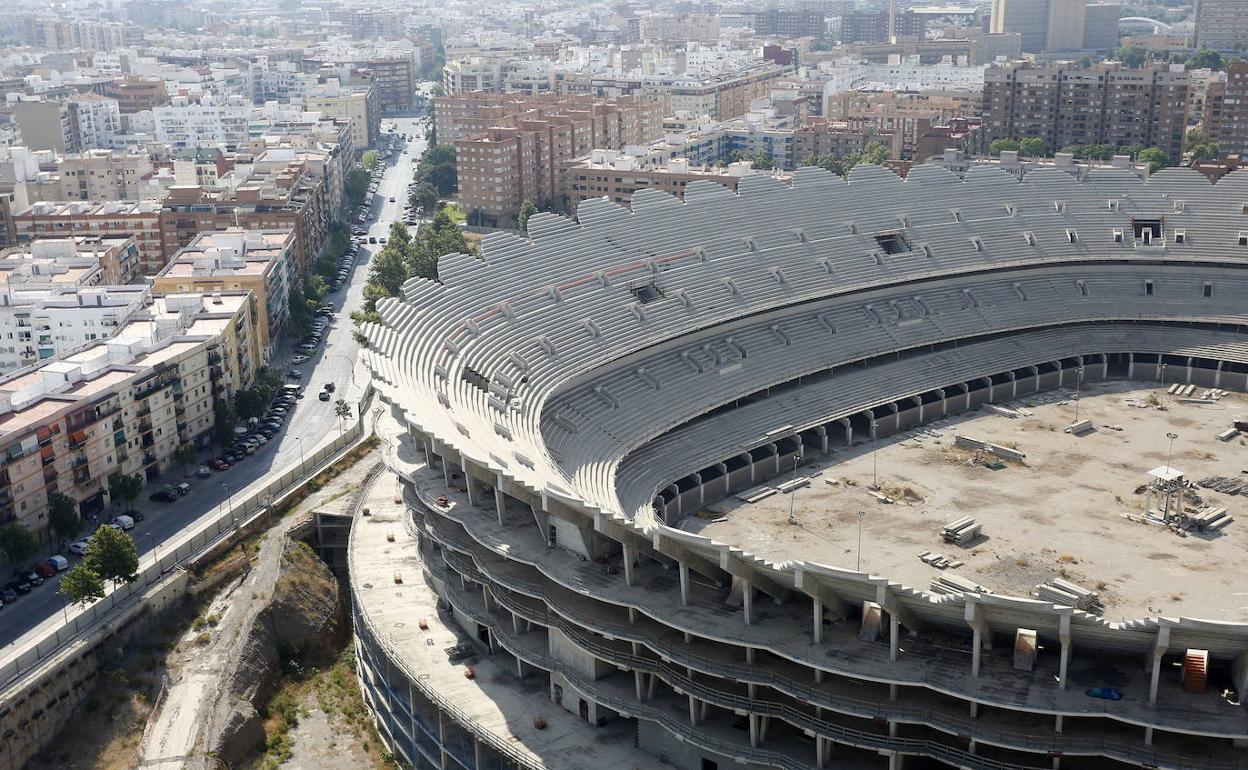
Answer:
(893, 243)
(647, 293)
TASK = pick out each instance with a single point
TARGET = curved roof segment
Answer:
(592, 362)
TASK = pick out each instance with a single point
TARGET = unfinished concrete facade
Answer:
(568, 400)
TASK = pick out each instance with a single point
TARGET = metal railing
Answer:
(188, 546)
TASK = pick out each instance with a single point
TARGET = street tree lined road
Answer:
(311, 421)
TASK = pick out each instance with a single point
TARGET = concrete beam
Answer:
(1153, 662)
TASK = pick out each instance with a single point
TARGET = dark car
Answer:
(29, 576)
(8, 594)
(218, 464)
(163, 496)
(323, 395)
(21, 586)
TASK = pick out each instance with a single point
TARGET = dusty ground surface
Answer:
(1060, 511)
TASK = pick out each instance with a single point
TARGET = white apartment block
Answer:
(183, 123)
(37, 323)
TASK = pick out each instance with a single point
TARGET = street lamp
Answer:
(229, 501)
(797, 456)
(875, 462)
(1078, 386)
(861, 514)
(302, 462)
(1163, 378)
(1170, 450)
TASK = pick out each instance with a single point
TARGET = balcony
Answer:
(50, 475)
(77, 439)
(80, 460)
(82, 476)
(145, 410)
(148, 440)
(149, 458)
(119, 438)
(118, 424)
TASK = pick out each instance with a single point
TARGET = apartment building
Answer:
(1222, 25)
(289, 197)
(1225, 113)
(790, 23)
(207, 123)
(125, 404)
(460, 116)
(105, 175)
(1058, 25)
(395, 75)
(873, 26)
(111, 219)
(521, 155)
(840, 138)
(722, 96)
(259, 261)
(1065, 104)
(135, 93)
(359, 104)
(679, 28)
(63, 33)
(89, 260)
(38, 322)
(617, 176)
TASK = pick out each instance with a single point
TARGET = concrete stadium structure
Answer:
(565, 401)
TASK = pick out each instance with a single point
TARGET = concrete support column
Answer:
(684, 584)
(1013, 385)
(500, 505)
(849, 430)
(822, 433)
(817, 611)
(894, 636)
(1189, 369)
(1153, 662)
(823, 748)
(755, 738)
(896, 761)
(749, 654)
(697, 477)
(1057, 726)
(639, 684)
(446, 472)
(1064, 662)
(520, 671)
(1130, 366)
(472, 498)
(944, 401)
(1217, 382)
(1148, 736)
(723, 473)
(693, 711)
(747, 601)
(630, 556)
(516, 626)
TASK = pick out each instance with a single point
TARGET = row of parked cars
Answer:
(26, 579)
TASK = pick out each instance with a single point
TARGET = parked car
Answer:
(372, 239)
(45, 569)
(295, 374)
(392, 199)
(79, 548)
(331, 387)
(8, 594)
(323, 395)
(28, 575)
(218, 464)
(163, 496)
(299, 359)
(203, 472)
(182, 489)
(58, 562)
(122, 522)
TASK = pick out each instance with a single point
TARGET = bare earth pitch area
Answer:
(1060, 512)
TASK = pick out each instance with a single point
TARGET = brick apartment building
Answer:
(283, 199)
(512, 150)
(872, 26)
(112, 219)
(1065, 104)
(1225, 117)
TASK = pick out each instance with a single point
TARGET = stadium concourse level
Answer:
(611, 375)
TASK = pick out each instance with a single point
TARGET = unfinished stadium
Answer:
(810, 476)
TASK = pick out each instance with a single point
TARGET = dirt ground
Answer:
(1059, 512)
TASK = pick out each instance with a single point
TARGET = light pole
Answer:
(1163, 379)
(1170, 450)
(350, 363)
(875, 462)
(229, 501)
(1078, 386)
(302, 462)
(861, 514)
(797, 456)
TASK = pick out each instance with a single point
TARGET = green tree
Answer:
(370, 160)
(1131, 55)
(399, 237)
(424, 197)
(63, 516)
(998, 146)
(761, 161)
(388, 271)
(125, 487)
(874, 153)
(249, 403)
(1204, 151)
(17, 542)
(437, 167)
(342, 410)
(1155, 157)
(1206, 59)
(112, 555)
(356, 186)
(1033, 147)
(527, 209)
(223, 422)
(185, 455)
(81, 585)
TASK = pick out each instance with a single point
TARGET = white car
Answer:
(80, 548)
(298, 360)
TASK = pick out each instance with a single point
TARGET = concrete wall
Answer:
(679, 755)
(583, 663)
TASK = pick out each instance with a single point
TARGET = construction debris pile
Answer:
(961, 531)
(949, 584)
(1061, 591)
(1184, 394)
(1005, 453)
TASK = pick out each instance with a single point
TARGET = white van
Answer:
(123, 522)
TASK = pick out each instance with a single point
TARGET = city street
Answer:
(313, 420)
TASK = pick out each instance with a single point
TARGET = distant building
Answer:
(116, 219)
(1058, 25)
(359, 104)
(790, 23)
(618, 176)
(1225, 112)
(1222, 25)
(873, 26)
(37, 323)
